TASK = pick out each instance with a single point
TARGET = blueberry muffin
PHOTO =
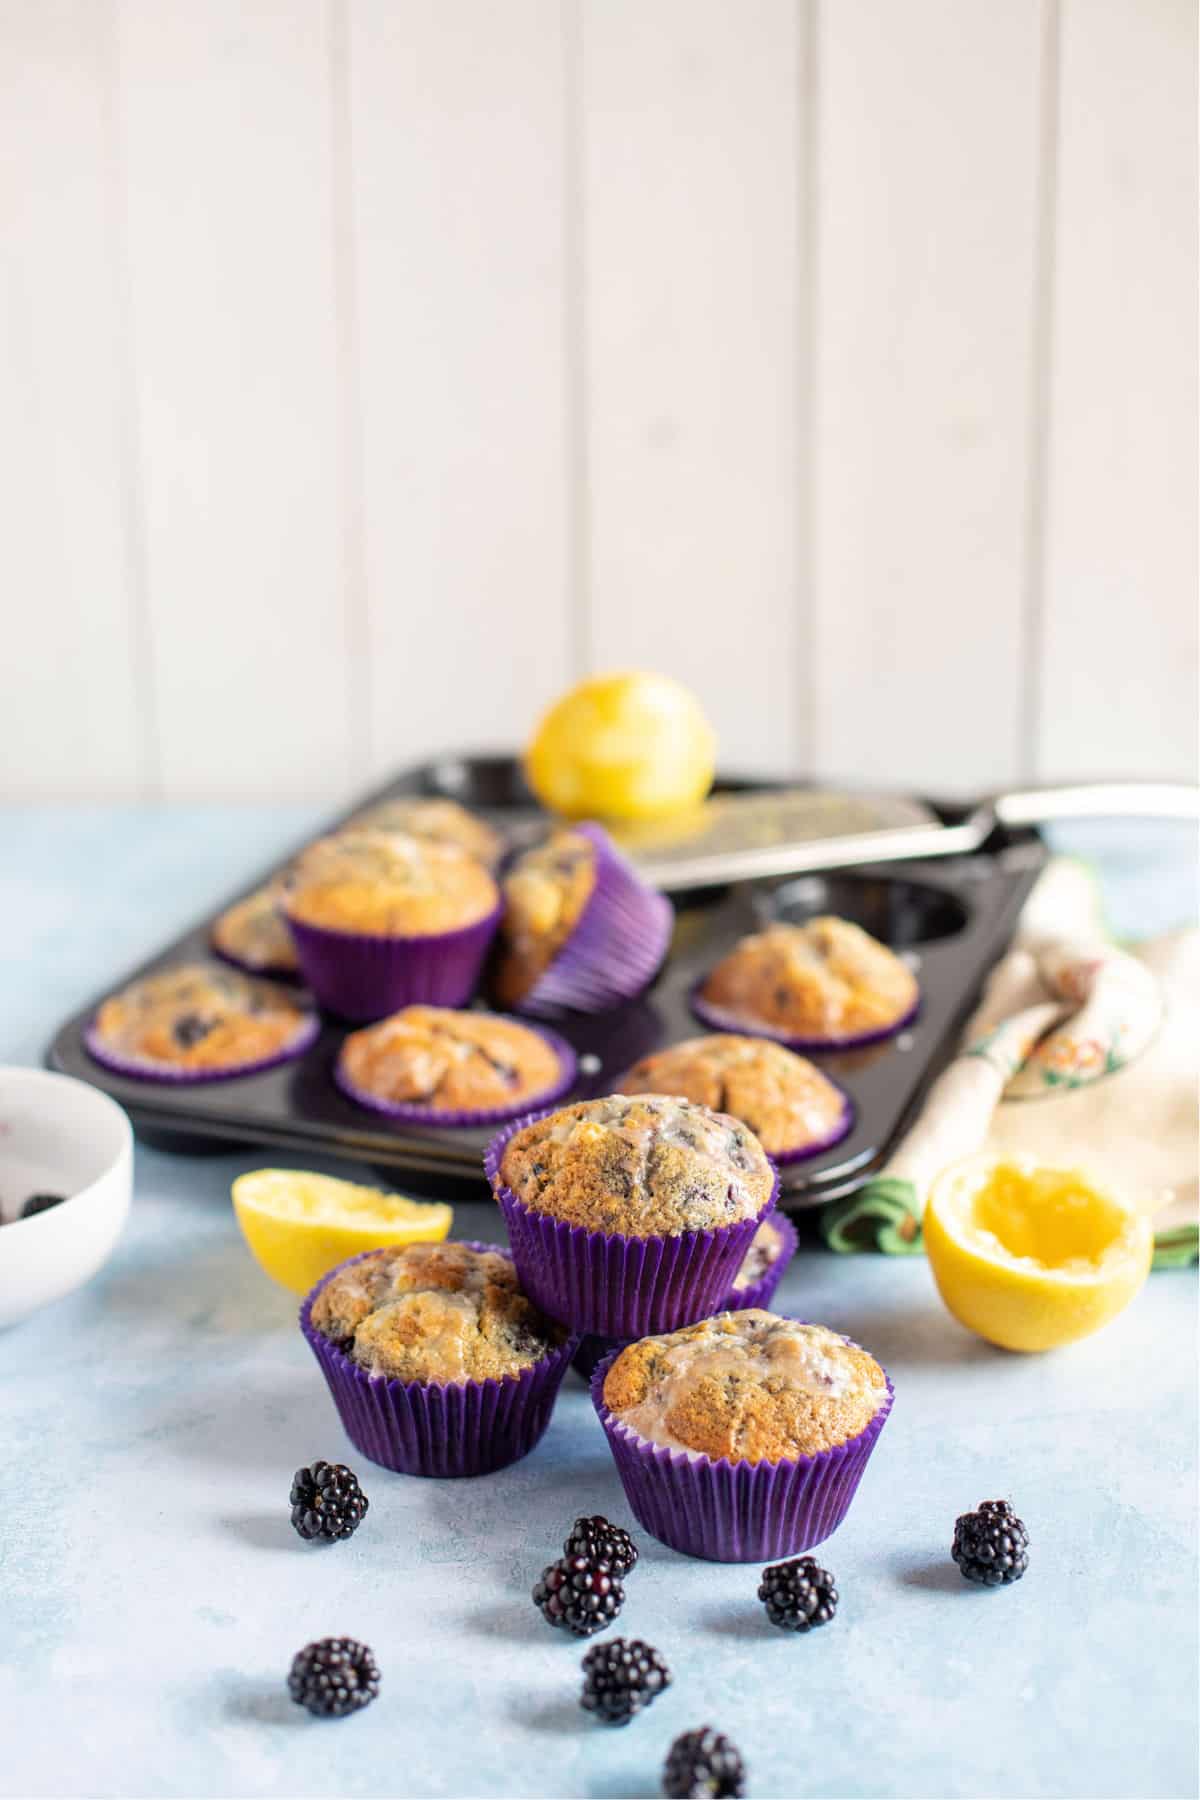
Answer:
(637, 1166)
(437, 822)
(383, 884)
(788, 1103)
(437, 1060)
(254, 933)
(443, 1313)
(766, 1247)
(199, 1019)
(823, 982)
(747, 1387)
(545, 893)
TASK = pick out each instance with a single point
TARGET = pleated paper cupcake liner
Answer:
(413, 1113)
(735, 1511)
(433, 1429)
(145, 1069)
(616, 1286)
(362, 976)
(617, 946)
(720, 1018)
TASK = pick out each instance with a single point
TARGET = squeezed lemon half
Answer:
(622, 747)
(1030, 1257)
(299, 1226)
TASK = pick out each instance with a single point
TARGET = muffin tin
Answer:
(952, 917)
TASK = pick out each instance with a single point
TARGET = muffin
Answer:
(437, 1362)
(199, 1022)
(792, 1108)
(437, 822)
(253, 933)
(823, 984)
(432, 1065)
(580, 931)
(741, 1438)
(382, 921)
(630, 1214)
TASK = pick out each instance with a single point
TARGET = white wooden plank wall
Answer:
(369, 368)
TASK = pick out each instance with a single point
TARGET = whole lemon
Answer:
(623, 746)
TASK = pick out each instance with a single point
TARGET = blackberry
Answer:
(579, 1594)
(40, 1203)
(701, 1764)
(798, 1595)
(991, 1545)
(621, 1677)
(327, 1501)
(334, 1677)
(599, 1541)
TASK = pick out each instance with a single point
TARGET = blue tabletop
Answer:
(153, 1591)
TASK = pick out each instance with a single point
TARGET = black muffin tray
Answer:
(950, 917)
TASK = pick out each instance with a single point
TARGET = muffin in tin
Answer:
(631, 1212)
(793, 1109)
(818, 985)
(381, 921)
(437, 822)
(742, 1437)
(580, 930)
(199, 1022)
(437, 1065)
(437, 1361)
(253, 933)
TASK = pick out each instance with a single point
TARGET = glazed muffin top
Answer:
(434, 1312)
(545, 892)
(254, 932)
(748, 1386)
(200, 1016)
(435, 821)
(384, 884)
(824, 979)
(640, 1165)
(434, 1056)
(766, 1247)
(784, 1099)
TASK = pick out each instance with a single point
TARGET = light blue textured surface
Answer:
(152, 1591)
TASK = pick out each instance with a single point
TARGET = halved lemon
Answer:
(299, 1226)
(1031, 1257)
(632, 745)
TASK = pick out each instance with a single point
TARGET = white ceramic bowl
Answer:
(58, 1136)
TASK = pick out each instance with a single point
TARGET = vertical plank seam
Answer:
(1028, 757)
(131, 484)
(804, 730)
(580, 637)
(356, 599)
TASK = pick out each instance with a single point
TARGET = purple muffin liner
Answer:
(618, 943)
(719, 1018)
(593, 1350)
(144, 1069)
(363, 976)
(611, 1285)
(426, 1428)
(735, 1512)
(413, 1113)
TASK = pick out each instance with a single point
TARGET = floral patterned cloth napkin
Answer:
(1080, 1051)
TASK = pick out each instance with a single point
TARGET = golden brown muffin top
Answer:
(200, 1016)
(436, 821)
(640, 1165)
(765, 1248)
(824, 979)
(385, 884)
(435, 1056)
(749, 1386)
(254, 931)
(785, 1099)
(545, 892)
(434, 1312)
